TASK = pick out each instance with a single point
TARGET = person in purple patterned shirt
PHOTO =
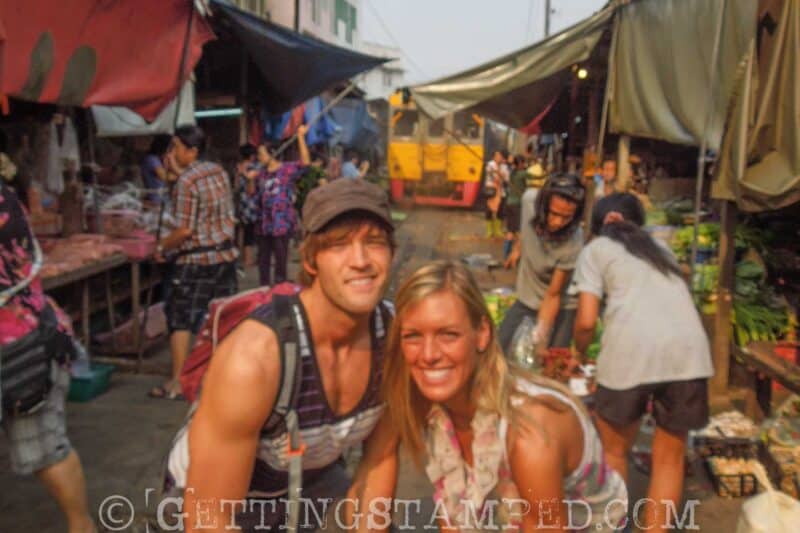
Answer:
(278, 218)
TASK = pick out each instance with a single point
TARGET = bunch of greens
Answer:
(707, 239)
(307, 181)
(758, 314)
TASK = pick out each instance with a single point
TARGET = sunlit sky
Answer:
(440, 37)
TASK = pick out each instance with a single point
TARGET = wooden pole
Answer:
(243, 97)
(623, 163)
(721, 343)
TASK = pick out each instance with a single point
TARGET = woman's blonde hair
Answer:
(492, 377)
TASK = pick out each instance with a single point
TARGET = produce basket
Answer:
(740, 453)
(730, 485)
(726, 447)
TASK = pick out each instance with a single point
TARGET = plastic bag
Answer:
(523, 347)
(769, 512)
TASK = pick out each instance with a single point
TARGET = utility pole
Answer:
(547, 12)
(297, 15)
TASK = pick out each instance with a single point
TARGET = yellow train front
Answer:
(434, 162)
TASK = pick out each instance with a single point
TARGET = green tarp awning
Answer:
(660, 75)
(759, 164)
(515, 88)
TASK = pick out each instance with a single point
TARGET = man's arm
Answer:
(375, 478)
(586, 320)
(185, 215)
(305, 156)
(551, 303)
(516, 252)
(238, 396)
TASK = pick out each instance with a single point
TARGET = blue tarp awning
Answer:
(294, 67)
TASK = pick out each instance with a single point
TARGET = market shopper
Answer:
(277, 215)
(488, 436)
(516, 189)
(201, 247)
(247, 209)
(235, 446)
(546, 251)
(351, 167)
(34, 336)
(153, 170)
(495, 181)
(653, 349)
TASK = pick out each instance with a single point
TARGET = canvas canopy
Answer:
(515, 88)
(121, 121)
(84, 52)
(293, 67)
(759, 164)
(660, 67)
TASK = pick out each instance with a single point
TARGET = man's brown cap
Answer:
(343, 195)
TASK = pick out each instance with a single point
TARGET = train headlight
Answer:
(472, 170)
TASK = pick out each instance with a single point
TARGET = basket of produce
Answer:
(786, 469)
(728, 434)
(732, 477)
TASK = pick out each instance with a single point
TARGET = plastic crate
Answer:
(86, 388)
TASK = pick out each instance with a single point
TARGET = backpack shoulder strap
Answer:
(287, 329)
(386, 314)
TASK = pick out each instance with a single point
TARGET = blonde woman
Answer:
(502, 448)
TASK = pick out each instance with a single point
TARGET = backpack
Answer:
(223, 316)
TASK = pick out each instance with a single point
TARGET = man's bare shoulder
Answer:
(244, 374)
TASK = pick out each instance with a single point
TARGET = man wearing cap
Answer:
(233, 448)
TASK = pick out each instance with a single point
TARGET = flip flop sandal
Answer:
(162, 393)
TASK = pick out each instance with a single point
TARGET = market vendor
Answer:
(654, 348)
(202, 246)
(35, 337)
(546, 251)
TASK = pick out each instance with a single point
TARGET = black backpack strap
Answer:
(386, 314)
(286, 325)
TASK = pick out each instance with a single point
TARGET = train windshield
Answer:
(407, 123)
(466, 126)
(436, 128)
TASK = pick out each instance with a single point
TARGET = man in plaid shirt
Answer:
(205, 256)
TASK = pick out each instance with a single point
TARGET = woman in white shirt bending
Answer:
(654, 348)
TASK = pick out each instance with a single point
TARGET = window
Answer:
(436, 128)
(465, 126)
(387, 78)
(406, 125)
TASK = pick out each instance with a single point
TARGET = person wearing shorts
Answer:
(204, 260)
(37, 440)
(654, 350)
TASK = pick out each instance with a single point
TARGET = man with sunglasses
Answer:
(546, 252)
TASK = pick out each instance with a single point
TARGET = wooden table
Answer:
(82, 276)
(761, 357)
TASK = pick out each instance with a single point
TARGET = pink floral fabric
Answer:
(20, 315)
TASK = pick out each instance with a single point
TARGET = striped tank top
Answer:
(326, 435)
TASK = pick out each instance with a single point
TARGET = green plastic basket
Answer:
(86, 388)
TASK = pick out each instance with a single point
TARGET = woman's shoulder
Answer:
(541, 405)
